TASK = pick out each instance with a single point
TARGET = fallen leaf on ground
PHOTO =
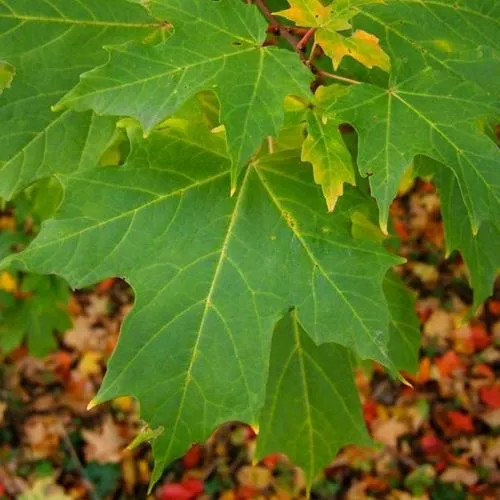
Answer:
(103, 446)
(389, 432)
(90, 364)
(459, 475)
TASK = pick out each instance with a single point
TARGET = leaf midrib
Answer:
(67, 20)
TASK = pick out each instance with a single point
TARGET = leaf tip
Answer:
(405, 381)
(93, 403)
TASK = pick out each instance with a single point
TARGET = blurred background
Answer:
(439, 440)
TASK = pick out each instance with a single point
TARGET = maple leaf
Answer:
(432, 114)
(210, 278)
(331, 19)
(34, 141)
(481, 250)
(105, 445)
(317, 382)
(404, 328)
(331, 160)
(455, 36)
(216, 46)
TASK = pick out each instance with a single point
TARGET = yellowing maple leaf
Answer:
(7, 282)
(329, 21)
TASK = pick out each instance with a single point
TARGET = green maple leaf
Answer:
(481, 251)
(36, 317)
(456, 36)
(212, 274)
(430, 113)
(404, 339)
(215, 46)
(48, 45)
(317, 383)
(331, 160)
(329, 21)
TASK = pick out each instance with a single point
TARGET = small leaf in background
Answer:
(419, 480)
(105, 445)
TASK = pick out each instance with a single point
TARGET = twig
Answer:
(265, 10)
(284, 33)
(326, 74)
(71, 450)
(298, 45)
(303, 41)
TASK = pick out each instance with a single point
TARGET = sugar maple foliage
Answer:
(202, 150)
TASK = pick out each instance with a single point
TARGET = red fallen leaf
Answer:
(400, 229)
(246, 492)
(194, 485)
(427, 187)
(480, 337)
(193, 456)
(271, 460)
(249, 433)
(189, 489)
(370, 411)
(460, 421)
(104, 286)
(490, 395)
(441, 465)
(432, 446)
(448, 363)
(494, 307)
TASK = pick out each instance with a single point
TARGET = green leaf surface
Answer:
(404, 339)
(459, 37)
(312, 406)
(481, 252)
(330, 158)
(49, 44)
(215, 46)
(212, 274)
(430, 113)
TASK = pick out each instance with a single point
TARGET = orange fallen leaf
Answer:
(479, 336)
(449, 364)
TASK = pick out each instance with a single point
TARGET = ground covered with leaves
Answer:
(437, 440)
